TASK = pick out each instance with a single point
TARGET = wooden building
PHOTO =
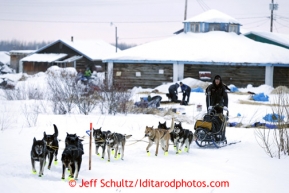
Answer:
(16, 56)
(77, 54)
(209, 44)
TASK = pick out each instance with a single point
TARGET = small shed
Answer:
(16, 56)
(63, 53)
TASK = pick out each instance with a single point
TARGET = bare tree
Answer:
(31, 113)
(63, 92)
(115, 99)
(276, 142)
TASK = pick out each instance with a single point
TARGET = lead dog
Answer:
(52, 145)
(183, 136)
(159, 136)
(38, 153)
(116, 141)
(100, 140)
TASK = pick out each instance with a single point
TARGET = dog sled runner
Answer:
(210, 132)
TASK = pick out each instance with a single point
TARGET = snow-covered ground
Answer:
(243, 167)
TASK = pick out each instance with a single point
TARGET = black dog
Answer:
(100, 140)
(38, 153)
(73, 139)
(183, 136)
(164, 126)
(52, 145)
(72, 158)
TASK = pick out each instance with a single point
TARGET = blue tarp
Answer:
(233, 124)
(233, 88)
(260, 97)
(199, 89)
(273, 118)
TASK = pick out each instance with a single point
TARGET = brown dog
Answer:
(157, 136)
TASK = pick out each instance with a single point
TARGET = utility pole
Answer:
(186, 10)
(115, 36)
(115, 39)
(272, 8)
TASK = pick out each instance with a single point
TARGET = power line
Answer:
(282, 24)
(100, 22)
(251, 17)
(203, 8)
(259, 24)
(283, 20)
(205, 5)
(274, 24)
(256, 21)
(146, 37)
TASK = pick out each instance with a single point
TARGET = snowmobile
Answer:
(210, 132)
(88, 86)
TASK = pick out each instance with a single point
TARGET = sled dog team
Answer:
(114, 142)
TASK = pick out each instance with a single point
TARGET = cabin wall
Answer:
(143, 75)
(239, 76)
(281, 77)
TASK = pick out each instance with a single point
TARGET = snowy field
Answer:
(243, 167)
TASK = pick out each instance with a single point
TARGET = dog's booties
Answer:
(175, 147)
(186, 149)
(118, 155)
(180, 151)
(148, 153)
(55, 163)
(33, 172)
(166, 153)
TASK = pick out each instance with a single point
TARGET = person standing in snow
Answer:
(216, 94)
(173, 91)
(186, 90)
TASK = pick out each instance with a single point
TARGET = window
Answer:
(233, 28)
(215, 27)
(195, 27)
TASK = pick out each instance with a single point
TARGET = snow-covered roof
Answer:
(273, 36)
(92, 49)
(43, 57)
(22, 51)
(71, 59)
(213, 16)
(205, 48)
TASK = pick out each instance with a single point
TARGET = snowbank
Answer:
(5, 58)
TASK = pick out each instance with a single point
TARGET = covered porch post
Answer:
(269, 73)
(178, 72)
(110, 74)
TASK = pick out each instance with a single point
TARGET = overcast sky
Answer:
(137, 21)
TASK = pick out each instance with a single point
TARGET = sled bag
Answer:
(203, 124)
